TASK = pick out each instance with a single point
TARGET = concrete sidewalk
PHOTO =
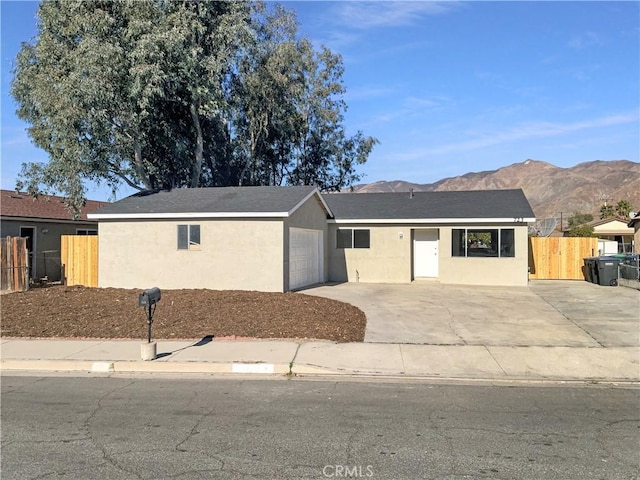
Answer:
(209, 356)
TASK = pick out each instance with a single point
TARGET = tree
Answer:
(581, 230)
(289, 120)
(196, 48)
(579, 218)
(326, 156)
(623, 209)
(607, 211)
(72, 86)
(168, 93)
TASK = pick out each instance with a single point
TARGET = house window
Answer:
(188, 237)
(86, 231)
(485, 242)
(353, 238)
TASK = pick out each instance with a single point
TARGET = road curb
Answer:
(270, 369)
(144, 367)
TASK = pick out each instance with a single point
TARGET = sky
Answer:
(446, 87)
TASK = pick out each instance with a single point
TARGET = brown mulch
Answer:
(72, 312)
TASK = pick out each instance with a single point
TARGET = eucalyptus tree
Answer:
(198, 47)
(289, 123)
(326, 156)
(167, 93)
(79, 89)
(117, 91)
(266, 122)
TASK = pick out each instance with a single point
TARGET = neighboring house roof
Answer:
(426, 207)
(611, 226)
(634, 221)
(604, 221)
(214, 202)
(45, 207)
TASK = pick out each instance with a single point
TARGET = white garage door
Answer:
(305, 257)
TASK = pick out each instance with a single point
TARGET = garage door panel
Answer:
(305, 257)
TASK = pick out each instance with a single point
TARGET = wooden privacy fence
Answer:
(79, 258)
(15, 265)
(560, 258)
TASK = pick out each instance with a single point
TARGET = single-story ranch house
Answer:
(42, 221)
(285, 238)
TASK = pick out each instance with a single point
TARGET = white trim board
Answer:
(182, 215)
(431, 221)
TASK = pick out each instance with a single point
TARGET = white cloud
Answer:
(364, 15)
(429, 103)
(585, 40)
(367, 92)
(521, 132)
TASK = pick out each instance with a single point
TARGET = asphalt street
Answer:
(208, 427)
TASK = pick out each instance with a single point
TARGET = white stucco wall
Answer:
(390, 257)
(388, 260)
(506, 271)
(243, 254)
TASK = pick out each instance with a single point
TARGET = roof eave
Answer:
(185, 215)
(22, 218)
(433, 221)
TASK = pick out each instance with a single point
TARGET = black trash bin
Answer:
(608, 271)
(590, 269)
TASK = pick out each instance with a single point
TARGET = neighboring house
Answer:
(614, 229)
(42, 221)
(286, 238)
(634, 223)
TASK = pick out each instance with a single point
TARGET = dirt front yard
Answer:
(61, 311)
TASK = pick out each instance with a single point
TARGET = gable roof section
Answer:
(45, 207)
(611, 226)
(213, 202)
(603, 221)
(431, 207)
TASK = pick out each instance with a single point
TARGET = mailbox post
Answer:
(149, 299)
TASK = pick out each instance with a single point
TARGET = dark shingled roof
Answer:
(425, 205)
(210, 200)
(344, 206)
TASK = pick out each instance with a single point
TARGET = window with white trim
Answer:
(353, 238)
(188, 237)
(483, 242)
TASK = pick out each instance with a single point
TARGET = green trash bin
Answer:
(608, 271)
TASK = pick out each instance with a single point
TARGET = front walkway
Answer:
(546, 313)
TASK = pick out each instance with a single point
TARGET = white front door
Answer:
(425, 253)
(305, 257)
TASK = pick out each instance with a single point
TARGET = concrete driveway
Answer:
(546, 313)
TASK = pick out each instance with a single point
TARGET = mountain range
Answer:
(552, 191)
